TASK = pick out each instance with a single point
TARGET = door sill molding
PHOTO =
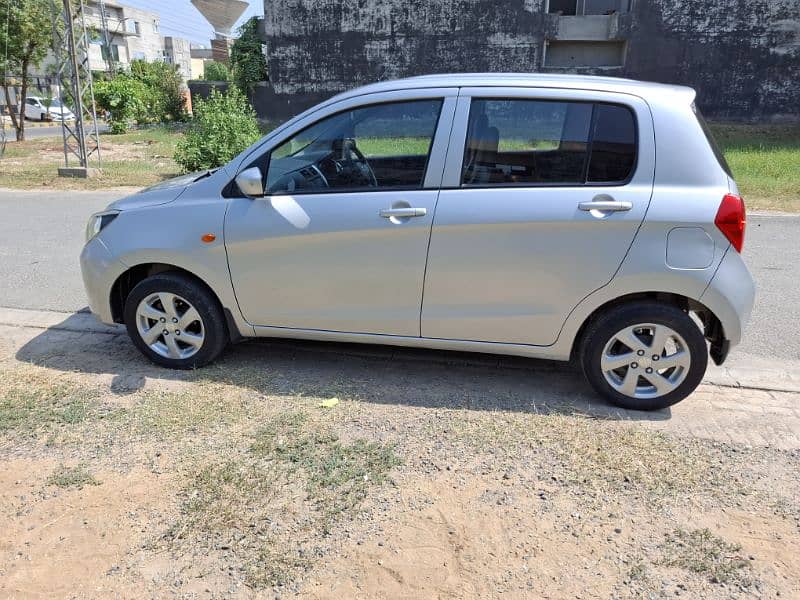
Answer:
(546, 352)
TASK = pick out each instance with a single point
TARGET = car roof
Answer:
(643, 89)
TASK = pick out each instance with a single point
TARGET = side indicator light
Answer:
(208, 238)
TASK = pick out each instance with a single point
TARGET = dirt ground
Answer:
(467, 480)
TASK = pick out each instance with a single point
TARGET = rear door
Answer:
(543, 193)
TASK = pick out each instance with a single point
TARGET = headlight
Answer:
(98, 222)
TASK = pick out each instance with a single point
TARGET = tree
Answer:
(216, 71)
(26, 32)
(165, 82)
(247, 58)
(222, 127)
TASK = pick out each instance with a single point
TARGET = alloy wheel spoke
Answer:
(168, 302)
(151, 335)
(660, 338)
(187, 318)
(679, 359)
(192, 339)
(631, 340)
(628, 385)
(151, 312)
(659, 382)
(615, 361)
(172, 345)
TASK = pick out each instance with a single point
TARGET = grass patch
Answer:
(294, 482)
(765, 160)
(596, 454)
(700, 551)
(138, 158)
(71, 477)
(31, 403)
(196, 409)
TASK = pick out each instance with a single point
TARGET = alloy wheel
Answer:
(646, 361)
(170, 325)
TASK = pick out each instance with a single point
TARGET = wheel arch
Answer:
(128, 279)
(711, 325)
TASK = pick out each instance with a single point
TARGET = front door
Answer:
(545, 192)
(340, 241)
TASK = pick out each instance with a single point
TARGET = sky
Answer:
(180, 19)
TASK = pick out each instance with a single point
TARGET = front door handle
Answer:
(388, 213)
(605, 205)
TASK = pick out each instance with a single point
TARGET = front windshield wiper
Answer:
(208, 173)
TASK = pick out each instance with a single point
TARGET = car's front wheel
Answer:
(644, 356)
(175, 321)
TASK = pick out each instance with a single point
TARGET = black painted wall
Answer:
(742, 56)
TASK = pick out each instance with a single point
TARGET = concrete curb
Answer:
(786, 379)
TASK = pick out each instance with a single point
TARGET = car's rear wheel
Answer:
(644, 356)
(175, 321)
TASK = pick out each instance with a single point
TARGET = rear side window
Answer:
(711, 141)
(538, 142)
(613, 144)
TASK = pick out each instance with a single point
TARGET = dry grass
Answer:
(71, 477)
(134, 159)
(700, 551)
(269, 483)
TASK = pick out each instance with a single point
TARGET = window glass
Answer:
(526, 142)
(613, 144)
(382, 146)
(711, 141)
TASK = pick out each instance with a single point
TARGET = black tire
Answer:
(607, 325)
(199, 296)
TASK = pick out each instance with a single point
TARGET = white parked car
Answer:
(36, 109)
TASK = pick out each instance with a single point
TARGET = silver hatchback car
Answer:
(549, 216)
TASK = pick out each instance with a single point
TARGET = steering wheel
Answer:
(358, 168)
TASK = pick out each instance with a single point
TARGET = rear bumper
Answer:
(730, 296)
(99, 270)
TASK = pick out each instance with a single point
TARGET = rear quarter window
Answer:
(711, 141)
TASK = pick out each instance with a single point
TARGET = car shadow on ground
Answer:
(377, 374)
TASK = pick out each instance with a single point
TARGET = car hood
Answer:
(160, 193)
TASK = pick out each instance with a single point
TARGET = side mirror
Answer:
(251, 182)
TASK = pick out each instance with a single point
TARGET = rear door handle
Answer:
(606, 205)
(388, 213)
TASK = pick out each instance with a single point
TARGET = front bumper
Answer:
(99, 270)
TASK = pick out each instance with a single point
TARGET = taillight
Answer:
(731, 220)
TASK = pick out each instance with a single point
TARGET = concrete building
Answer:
(177, 51)
(133, 34)
(742, 57)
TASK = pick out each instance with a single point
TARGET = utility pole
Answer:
(74, 80)
(107, 40)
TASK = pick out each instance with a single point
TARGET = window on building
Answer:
(563, 7)
(383, 146)
(540, 142)
(114, 53)
(155, 26)
(132, 26)
(588, 7)
(569, 54)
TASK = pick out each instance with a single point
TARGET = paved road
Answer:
(33, 133)
(41, 234)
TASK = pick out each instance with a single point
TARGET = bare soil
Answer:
(469, 481)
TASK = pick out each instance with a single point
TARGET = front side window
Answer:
(542, 142)
(383, 146)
